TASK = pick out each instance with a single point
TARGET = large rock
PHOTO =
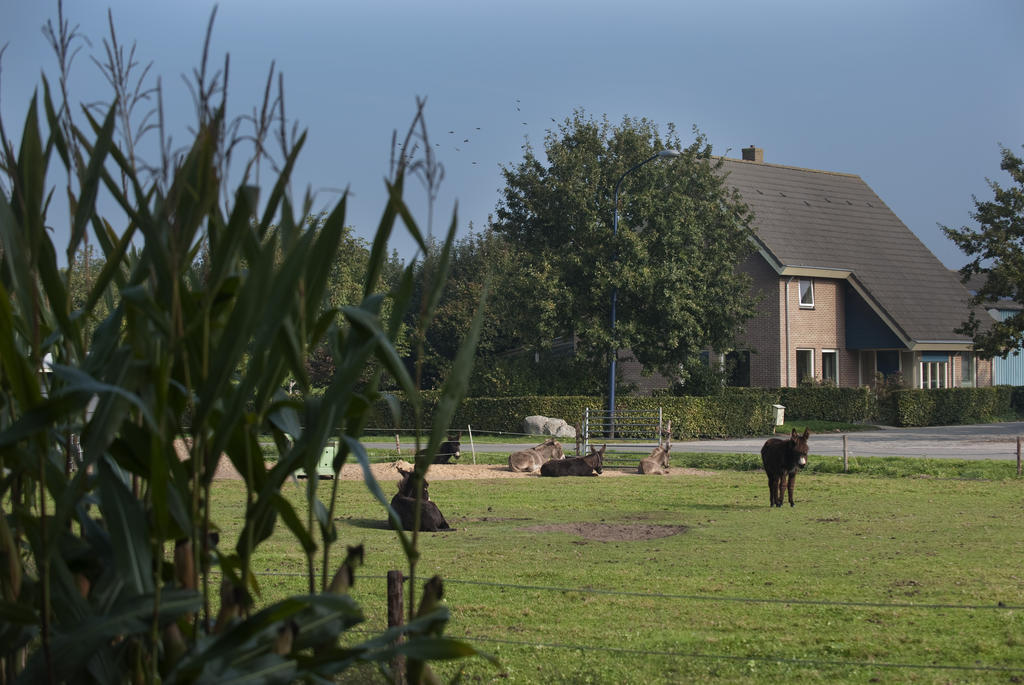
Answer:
(542, 425)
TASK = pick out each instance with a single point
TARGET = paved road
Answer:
(987, 441)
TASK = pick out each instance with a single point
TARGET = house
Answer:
(848, 291)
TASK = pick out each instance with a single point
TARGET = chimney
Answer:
(753, 154)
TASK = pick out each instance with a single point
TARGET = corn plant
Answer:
(111, 567)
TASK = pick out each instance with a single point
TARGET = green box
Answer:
(325, 466)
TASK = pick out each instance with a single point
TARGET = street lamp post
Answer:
(660, 154)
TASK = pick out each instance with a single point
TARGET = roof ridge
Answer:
(786, 166)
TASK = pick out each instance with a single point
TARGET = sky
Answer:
(914, 96)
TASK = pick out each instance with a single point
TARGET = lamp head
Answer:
(663, 154)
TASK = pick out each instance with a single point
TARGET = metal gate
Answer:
(637, 432)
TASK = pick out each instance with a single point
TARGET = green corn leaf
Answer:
(426, 648)
(90, 182)
(79, 644)
(17, 613)
(439, 277)
(126, 520)
(52, 120)
(111, 271)
(18, 370)
(30, 180)
(280, 186)
(295, 525)
(78, 382)
(378, 253)
(18, 257)
(356, 448)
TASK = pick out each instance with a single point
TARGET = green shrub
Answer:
(948, 406)
(827, 403)
(1017, 400)
(735, 412)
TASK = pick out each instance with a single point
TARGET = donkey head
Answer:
(798, 446)
(595, 459)
(406, 487)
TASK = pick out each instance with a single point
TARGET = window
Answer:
(806, 292)
(830, 366)
(804, 365)
(737, 366)
(968, 372)
(934, 371)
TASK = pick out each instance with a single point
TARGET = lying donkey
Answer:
(530, 460)
(590, 465)
(404, 504)
(656, 461)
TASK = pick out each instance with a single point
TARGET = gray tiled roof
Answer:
(827, 220)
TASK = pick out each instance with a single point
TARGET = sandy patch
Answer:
(389, 470)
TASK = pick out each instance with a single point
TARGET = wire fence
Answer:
(606, 646)
(835, 663)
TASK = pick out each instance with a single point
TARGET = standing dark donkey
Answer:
(590, 465)
(449, 449)
(404, 504)
(782, 459)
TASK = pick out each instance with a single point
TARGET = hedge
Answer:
(949, 406)
(731, 414)
(848, 405)
(734, 412)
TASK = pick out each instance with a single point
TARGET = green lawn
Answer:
(867, 579)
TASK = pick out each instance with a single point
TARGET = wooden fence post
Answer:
(846, 456)
(1018, 455)
(398, 445)
(395, 618)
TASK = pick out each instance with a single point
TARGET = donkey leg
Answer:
(789, 486)
(771, 491)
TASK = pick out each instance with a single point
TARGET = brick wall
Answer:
(761, 336)
(817, 328)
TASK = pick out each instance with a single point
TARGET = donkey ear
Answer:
(793, 436)
(807, 433)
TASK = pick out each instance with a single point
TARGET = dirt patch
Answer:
(389, 470)
(612, 532)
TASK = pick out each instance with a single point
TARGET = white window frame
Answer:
(810, 357)
(835, 355)
(806, 287)
(933, 375)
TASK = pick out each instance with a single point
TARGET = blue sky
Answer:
(914, 96)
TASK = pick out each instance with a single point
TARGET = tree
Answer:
(996, 248)
(681, 234)
(82, 275)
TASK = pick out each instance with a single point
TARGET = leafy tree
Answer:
(996, 248)
(82, 275)
(681, 234)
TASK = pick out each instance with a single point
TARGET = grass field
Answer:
(867, 579)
